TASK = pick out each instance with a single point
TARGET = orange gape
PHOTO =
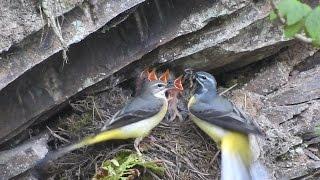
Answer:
(152, 76)
(178, 83)
(172, 94)
(145, 75)
(165, 76)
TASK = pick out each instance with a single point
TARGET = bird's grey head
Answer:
(157, 88)
(205, 82)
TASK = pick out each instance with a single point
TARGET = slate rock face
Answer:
(35, 82)
(303, 88)
(110, 38)
(20, 19)
(285, 104)
(18, 160)
(31, 69)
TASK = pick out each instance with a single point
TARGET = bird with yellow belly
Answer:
(226, 125)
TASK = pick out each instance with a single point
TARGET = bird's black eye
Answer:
(203, 77)
(160, 85)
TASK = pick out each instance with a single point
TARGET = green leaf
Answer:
(293, 10)
(312, 24)
(111, 170)
(273, 16)
(115, 162)
(290, 31)
(154, 168)
(122, 165)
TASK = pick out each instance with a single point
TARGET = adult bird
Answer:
(225, 124)
(135, 120)
(172, 94)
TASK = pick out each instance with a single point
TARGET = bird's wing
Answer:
(140, 108)
(223, 113)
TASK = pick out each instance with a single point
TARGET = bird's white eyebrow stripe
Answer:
(211, 80)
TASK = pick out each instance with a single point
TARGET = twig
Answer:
(79, 172)
(223, 92)
(299, 37)
(153, 175)
(214, 157)
(303, 38)
(245, 101)
(95, 108)
(57, 136)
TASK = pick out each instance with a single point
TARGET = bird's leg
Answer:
(136, 145)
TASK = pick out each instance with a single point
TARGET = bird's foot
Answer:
(136, 145)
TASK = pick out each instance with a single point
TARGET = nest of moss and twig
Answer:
(179, 148)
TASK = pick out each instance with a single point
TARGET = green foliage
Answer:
(313, 25)
(126, 166)
(299, 18)
(290, 31)
(293, 11)
(273, 16)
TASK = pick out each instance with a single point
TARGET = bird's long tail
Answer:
(42, 166)
(237, 159)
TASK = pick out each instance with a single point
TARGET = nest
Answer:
(181, 148)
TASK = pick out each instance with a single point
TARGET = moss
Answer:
(127, 165)
(78, 124)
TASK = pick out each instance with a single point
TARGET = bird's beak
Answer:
(152, 76)
(165, 76)
(178, 83)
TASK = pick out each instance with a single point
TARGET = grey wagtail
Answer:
(135, 120)
(173, 94)
(225, 124)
